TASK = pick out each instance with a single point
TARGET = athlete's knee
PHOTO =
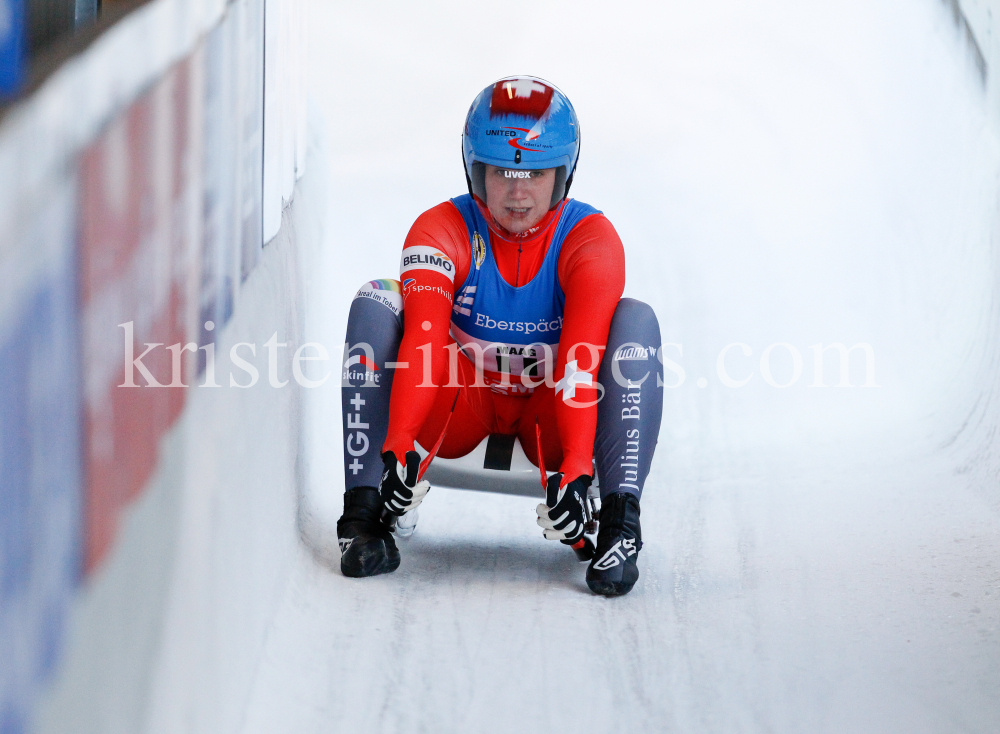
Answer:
(633, 346)
(636, 315)
(375, 321)
(634, 326)
(376, 302)
(385, 291)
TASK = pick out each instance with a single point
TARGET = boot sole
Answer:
(368, 562)
(609, 588)
(613, 587)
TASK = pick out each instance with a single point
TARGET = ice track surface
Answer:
(816, 559)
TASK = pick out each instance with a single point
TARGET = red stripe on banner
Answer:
(135, 264)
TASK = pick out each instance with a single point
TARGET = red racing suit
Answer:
(591, 272)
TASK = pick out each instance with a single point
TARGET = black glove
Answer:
(563, 514)
(399, 489)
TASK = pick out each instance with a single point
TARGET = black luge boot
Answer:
(367, 547)
(614, 571)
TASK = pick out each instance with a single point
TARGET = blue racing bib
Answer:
(516, 328)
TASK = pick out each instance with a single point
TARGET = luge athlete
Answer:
(525, 283)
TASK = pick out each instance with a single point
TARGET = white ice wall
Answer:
(202, 555)
(976, 438)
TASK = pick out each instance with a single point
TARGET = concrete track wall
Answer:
(170, 629)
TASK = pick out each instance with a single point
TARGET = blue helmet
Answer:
(521, 122)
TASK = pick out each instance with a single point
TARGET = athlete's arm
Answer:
(592, 276)
(428, 283)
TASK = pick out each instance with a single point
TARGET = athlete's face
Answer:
(518, 199)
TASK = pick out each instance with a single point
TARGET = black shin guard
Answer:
(628, 418)
(374, 332)
(628, 426)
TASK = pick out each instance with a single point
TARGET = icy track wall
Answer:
(961, 343)
(976, 438)
(145, 191)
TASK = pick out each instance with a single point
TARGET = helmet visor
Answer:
(477, 182)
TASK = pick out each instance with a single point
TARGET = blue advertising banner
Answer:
(11, 46)
(40, 481)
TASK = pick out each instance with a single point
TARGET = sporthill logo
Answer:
(407, 284)
(618, 553)
(478, 248)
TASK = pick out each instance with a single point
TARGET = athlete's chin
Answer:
(520, 220)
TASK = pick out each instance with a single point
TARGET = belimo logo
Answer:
(436, 259)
